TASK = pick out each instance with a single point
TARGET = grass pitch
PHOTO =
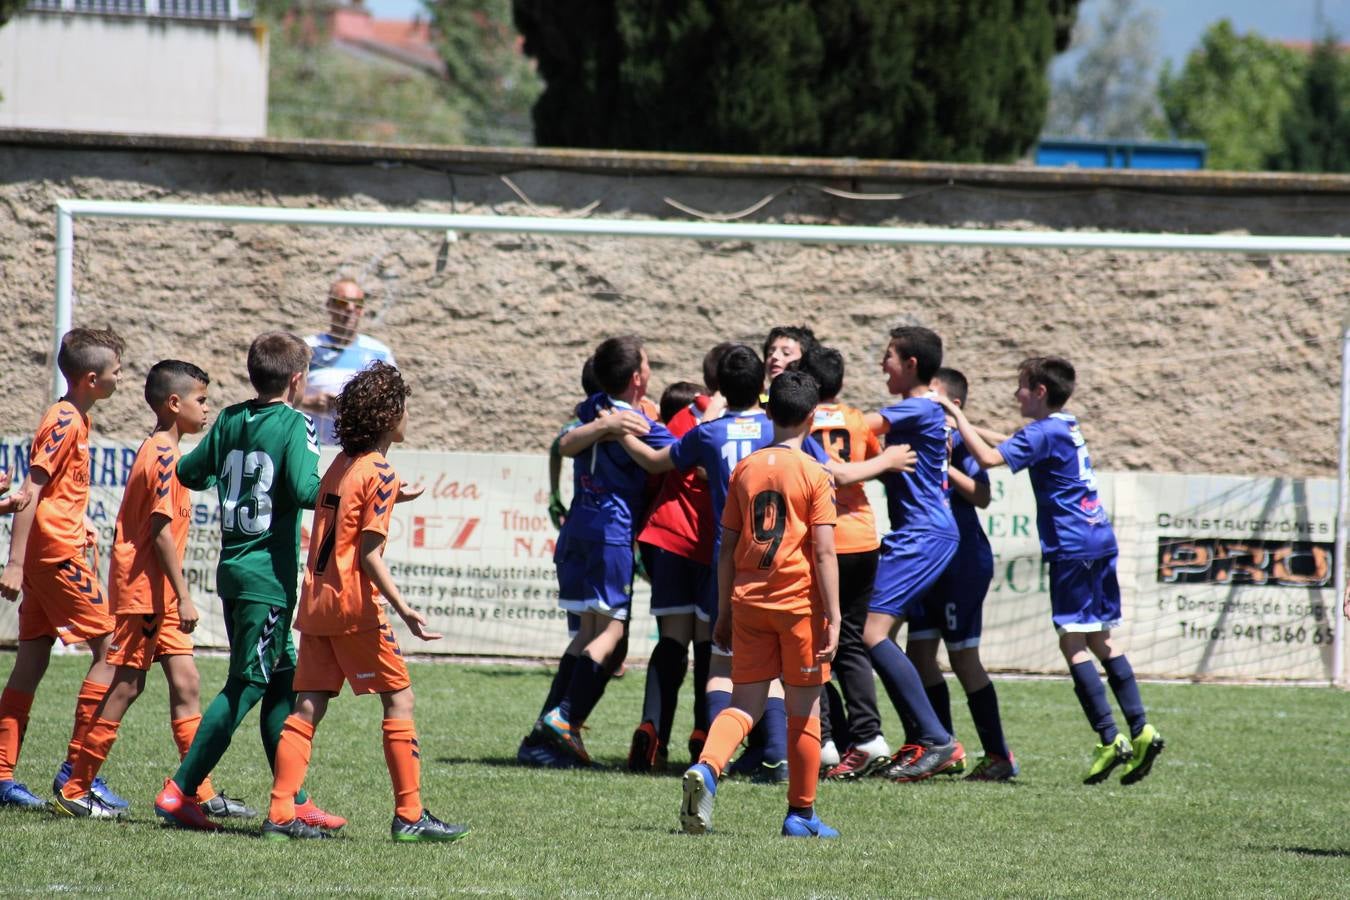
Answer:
(1251, 798)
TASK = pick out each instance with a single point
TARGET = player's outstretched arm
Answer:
(607, 426)
(166, 554)
(827, 583)
(197, 469)
(976, 493)
(896, 458)
(991, 437)
(372, 564)
(726, 578)
(11, 581)
(979, 448)
(652, 461)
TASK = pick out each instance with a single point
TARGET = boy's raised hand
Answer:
(900, 458)
(408, 492)
(417, 624)
(622, 422)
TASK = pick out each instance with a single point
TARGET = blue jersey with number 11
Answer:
(720, 444)
(1069, 516)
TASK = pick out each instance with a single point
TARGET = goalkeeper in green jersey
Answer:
(262, 456)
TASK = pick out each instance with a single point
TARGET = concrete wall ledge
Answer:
(614, 162)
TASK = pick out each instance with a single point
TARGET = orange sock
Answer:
(14, 708)
(94, 749)
(184, 730)
(404, 759)
(297, 738)
(803, 760)
(727, 731)
(86, 705)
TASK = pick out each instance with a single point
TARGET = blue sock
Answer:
(775, 731)
(905, 688)
(588, 684)
(988, 725)
(717, 701)
(941, 701)
(1120, 675)
(1087, 684)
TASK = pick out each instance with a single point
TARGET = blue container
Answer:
(1087, 154)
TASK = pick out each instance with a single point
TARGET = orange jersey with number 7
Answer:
(776, 496)
(356, 495)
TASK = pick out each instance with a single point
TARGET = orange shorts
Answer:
(139, 639)
(770, 643)
(369, 661)
(63, 600)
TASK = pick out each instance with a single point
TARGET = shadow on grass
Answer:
(1315, 851)
(610, 766)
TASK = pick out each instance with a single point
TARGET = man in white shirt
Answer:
(339, 354)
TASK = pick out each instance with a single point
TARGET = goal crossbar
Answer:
(450, 223)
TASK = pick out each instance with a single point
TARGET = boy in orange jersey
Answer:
(61, 594)
(148, 595)
(843, 431)
(778, 607)
(344, 632)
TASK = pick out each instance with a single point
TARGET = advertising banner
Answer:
(1222, 577)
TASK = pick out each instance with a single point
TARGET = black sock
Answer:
(941, 699)
(586, 689)
(665, 673)
(1087, 684)
(988, 725)
(1120, 675)
(702, 663)
(561, 679)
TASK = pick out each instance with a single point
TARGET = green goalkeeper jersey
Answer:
(263, 459)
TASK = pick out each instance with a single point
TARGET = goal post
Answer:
(67, 211)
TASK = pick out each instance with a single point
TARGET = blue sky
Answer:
(1180, 24)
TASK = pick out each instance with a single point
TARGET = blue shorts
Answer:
(910, 564)
(1084, 594)
(679, 584)
(595, 577)
(954, 608)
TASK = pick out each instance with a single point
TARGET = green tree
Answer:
(931, 79)
(1316, 127)
(1232, 93)
(485, 66)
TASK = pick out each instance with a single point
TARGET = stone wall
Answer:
(1187, 362)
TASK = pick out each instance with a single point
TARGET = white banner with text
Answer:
(1222, 577)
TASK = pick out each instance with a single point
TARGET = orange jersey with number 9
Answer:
(356, 495)
(776, 496)
(844, 434)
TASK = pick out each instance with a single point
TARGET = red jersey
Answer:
(136, 582)
(844, 434)
(61, 449)
(681, 519)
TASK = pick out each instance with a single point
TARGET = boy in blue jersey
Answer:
(595, 555)
(922, 542)
(953, 610)
(717, 446)
(1078, 542)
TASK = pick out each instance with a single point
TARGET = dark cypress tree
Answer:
(1316, 128)
(931, 79)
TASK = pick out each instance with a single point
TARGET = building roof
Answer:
(402, 42)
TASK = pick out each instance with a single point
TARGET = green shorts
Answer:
(260, 640)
